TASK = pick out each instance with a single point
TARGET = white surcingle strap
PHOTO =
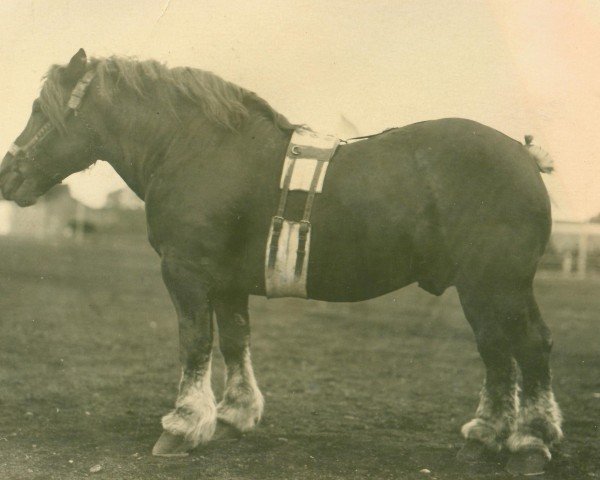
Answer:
(288, 244)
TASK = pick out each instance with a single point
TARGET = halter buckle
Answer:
(14, 149)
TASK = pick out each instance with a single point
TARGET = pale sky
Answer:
(521, 66)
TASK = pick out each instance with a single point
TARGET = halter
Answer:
(72, 108)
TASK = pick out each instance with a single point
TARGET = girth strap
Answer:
(305, 222)
(278, 218)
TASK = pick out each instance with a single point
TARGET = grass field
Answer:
(88, 364)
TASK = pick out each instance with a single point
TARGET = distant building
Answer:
(575, 246)
(49, 217)
(58, 214)
(124, 199)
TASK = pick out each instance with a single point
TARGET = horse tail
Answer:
(543, 159)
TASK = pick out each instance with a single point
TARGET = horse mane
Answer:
(223, 103)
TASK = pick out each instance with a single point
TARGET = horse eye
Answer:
(36, 108)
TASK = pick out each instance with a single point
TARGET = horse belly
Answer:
(363, 228)
(353, 268)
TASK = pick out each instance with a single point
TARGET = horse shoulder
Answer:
(201, 208)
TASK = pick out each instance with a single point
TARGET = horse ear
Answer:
(76, 67)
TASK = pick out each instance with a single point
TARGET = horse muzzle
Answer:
(12, 180)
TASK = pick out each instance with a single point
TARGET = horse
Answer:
(442, 203)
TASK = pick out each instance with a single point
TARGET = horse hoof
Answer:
(226, 431)
(473, 452)
(169, 445)
(528, 463)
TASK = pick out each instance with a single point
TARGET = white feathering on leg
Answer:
(242, 403)
(195, 413)
(489, 428)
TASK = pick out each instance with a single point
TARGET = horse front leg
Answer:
(193, 420)
(242, 404)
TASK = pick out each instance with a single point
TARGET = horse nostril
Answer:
(7, 162)
(3, 171)
(9, 183)
(4, 174)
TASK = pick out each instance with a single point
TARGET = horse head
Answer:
(57, 140)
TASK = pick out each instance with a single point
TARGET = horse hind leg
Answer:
(241, 408)
(539, 423)
(499, 403)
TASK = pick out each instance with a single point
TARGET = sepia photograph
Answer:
(300, 240)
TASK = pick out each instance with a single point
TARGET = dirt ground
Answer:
(88, 364)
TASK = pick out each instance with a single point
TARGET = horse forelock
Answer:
(53, 98)
(221, 102)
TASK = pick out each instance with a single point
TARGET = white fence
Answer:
(583, 232)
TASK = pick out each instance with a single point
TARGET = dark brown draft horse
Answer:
(443, 203)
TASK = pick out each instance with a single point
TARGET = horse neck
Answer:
(137, 140)
(140, 137)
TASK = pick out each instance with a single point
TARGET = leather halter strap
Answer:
(72, 106)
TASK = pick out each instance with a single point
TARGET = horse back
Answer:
(423, 203)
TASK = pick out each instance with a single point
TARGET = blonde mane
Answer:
(222, 102)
